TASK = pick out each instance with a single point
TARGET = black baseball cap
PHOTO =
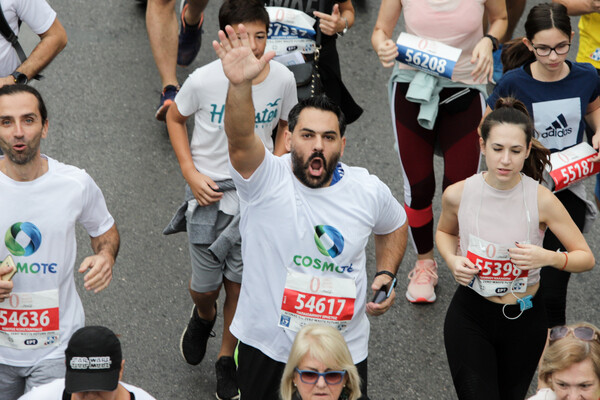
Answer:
(93, 359)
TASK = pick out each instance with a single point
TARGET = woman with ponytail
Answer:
(560, 96)
(495, 327)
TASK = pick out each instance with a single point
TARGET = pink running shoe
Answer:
(423, 278)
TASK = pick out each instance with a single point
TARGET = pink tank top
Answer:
(457, 23)
(500, 216)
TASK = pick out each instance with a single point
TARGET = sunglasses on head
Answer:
(582, 332)
(311, 377)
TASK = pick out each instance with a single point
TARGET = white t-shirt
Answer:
(279, 220)
(38, 224)
(54, 391)
(204, 93)
(37, 14)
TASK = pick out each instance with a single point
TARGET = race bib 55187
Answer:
(572, 165)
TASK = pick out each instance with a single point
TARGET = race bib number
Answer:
(427, 55)
(311, 299)
(290, 30)
(496, 272)
(572, 165)
(30, 320)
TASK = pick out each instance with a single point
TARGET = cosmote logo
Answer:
(330, 243)
(23, 247)
(329, 240)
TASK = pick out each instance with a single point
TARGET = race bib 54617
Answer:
(309, 299)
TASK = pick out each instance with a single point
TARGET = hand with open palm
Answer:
(239, 63)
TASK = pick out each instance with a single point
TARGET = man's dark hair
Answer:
(321, 102)
(233, 12)
(8, 90)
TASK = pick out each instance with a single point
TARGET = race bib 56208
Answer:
(427, 55)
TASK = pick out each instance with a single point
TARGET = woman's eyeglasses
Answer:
(582, 332)
(544, 51)
(311, 377)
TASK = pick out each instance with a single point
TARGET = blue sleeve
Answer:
(491, 100)
(502, 89)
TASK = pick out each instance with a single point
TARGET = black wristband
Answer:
(388, 273)
(494, 41)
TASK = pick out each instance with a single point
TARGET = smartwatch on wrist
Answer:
(20, 77)
(388, 273)
(494, 41)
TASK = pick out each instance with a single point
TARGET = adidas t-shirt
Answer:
(281, 225)
(557, 108)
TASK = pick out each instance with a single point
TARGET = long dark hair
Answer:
(541, 17)
(509, 110)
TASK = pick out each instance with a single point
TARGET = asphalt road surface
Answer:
(102, 92)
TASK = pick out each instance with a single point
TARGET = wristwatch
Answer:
(494, 41)
(20, 77)
(343, 32)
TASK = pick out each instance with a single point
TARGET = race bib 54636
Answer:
(30, 320)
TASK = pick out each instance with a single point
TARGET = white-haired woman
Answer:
(320, 367)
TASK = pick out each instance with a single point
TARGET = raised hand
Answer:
(239, 63)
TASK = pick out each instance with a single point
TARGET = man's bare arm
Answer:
(246, 150)
(389, 251)
(52, 42)
(100, 265)
(580, 7)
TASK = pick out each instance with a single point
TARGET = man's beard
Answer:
(21, 158)
(300, 169)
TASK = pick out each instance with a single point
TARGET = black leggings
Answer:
(555, 282)
(490, 356)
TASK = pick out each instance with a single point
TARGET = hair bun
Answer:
(511, 102)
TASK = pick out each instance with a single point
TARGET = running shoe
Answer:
(190, 39)
(194, 337)
(423, 278)
(166, 99)
(227, 388)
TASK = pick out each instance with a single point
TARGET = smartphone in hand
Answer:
(384, 292)
(8, 261)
